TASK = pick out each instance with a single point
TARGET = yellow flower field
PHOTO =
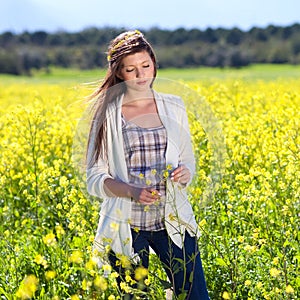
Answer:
(249, 223)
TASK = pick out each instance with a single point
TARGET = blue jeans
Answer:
(183, 266)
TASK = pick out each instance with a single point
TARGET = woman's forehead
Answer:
(136, 58)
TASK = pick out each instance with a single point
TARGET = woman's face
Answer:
(137, 70)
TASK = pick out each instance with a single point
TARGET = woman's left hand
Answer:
(181, 175)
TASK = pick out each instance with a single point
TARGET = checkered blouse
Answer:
(145, 158)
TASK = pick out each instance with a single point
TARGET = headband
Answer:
(125, 43)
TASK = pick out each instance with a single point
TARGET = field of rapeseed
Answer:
(249, 225)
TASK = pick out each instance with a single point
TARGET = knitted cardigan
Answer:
(114, 222)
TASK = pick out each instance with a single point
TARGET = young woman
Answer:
(140, 162)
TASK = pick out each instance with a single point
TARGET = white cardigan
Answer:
(114, 222)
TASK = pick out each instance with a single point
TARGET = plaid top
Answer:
(145, 150)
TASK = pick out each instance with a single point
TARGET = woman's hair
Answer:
(126, 43)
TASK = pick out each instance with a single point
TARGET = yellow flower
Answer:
(28, 287)
(63, 181)
(172, 217)
(59, 230)
(75, 297)
(76, 257)
(107, 240)
(277, 290)
(226, 295)
(59, 206)
(169, 167)
(107, 248)
(274, 272)
(147, 281)
(247, 282)
(90, 265)
(126, 241)
(241, 239)
(202, 223)
(266, 296)
(275, 260)
(289, 289)
(124, 261)
(86, 284)
(107, 268)
(124, 286)
(153, 171)
(140, 273)
(114, 275)
(129, 279)
(50, 275)
(250, 248)
(40, 260)
(114, 226)
(166, 174)
(49, 239)
(111, 297)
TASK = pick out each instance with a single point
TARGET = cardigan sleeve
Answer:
(187, 157)
(174, 117)
(96, 173)
(184, 143)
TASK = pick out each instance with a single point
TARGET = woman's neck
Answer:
(141, 110)
(133, 97)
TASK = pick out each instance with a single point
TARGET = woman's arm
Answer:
(114, 188)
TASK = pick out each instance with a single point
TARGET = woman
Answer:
(140, 162)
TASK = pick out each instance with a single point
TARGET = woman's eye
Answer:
(129, 70)
(146, 66)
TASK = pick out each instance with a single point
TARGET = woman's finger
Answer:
(181, 175)
(149, 196)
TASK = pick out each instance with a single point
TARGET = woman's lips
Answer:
(142, 82)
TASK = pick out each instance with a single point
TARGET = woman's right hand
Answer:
(145, 196)
(114, 188)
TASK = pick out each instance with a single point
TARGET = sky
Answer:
(75, 15)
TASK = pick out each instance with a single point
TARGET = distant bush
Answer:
(19, 53)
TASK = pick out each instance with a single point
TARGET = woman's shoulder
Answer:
(115, 104)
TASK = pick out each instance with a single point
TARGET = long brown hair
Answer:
(124, 44)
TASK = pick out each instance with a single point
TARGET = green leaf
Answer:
(220, 261)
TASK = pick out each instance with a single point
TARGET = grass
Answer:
(206, 74)
(249, 73)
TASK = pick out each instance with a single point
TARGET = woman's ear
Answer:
(118, 73)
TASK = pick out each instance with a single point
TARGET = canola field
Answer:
(246, 193)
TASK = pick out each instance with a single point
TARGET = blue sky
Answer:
(75, 15)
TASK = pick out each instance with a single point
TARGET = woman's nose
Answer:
(140, 72)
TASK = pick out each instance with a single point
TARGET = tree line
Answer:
(179, 48)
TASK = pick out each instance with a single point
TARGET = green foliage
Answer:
(22, 53)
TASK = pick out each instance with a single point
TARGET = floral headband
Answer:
(125, 41)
